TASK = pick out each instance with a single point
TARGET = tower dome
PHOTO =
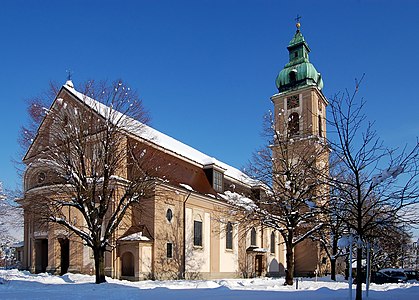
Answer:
(298, 71)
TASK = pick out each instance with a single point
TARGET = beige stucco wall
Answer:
(228, 260)
(198, 258)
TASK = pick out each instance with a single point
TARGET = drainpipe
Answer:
(261, 246)
(184, 236)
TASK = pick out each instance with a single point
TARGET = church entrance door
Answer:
(258, 265)
(65, 255)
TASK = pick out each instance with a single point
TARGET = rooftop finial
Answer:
(69, 82)
(297, 19)
(69, 73)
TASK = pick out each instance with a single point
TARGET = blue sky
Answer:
(206, 69)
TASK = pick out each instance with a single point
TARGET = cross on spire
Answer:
(69, 74)
(297, 19)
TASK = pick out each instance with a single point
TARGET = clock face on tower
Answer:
(293, 101)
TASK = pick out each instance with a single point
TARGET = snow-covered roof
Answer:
(138, 236)
(166, 142)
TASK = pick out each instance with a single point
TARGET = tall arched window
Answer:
(273, 242)
(294, 124)
(320, 126)
(197, 232)
(253, 237)
(229, 236)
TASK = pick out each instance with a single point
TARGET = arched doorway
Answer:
(41, 255)
(65, 255)
(127, 264)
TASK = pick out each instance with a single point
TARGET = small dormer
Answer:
(215, 175)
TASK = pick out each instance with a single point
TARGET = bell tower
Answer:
(300, 106)
(300, 137)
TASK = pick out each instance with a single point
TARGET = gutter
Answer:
(184, 237)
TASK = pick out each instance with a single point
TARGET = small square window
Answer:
(169, 252)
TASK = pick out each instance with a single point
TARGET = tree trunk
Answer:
(289, 272)
(333, 258)
(358, 273)
(333, 269)
(99, 255)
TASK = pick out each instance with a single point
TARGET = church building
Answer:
(185, 229)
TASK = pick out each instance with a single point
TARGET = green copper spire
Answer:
(298, 71)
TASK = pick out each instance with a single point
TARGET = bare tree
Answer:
(389, 249)
(334, 225)
(288, 169)
(329, 236)
(380, 184)
(99, 172)
(36, 108)
(11, 220)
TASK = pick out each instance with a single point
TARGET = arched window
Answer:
(253, 237)
(169, 215)
(127, 264)
(320, 126)
(294, 124)
(169, 250)
(197, 232)
(273, 242)
(293, 76)
(229, 236)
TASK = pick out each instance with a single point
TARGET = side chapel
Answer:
(181, 231)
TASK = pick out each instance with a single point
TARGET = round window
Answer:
(169, 215)
(41, 177)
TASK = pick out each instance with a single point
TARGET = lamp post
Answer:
(350, 265)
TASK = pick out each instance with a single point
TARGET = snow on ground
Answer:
(16, 284)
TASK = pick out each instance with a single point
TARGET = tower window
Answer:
(253, 237)
(293, 124)
(229, 236)
(169, 215)
(295, 54)
(293, 76)
(169, 252)
(320, 126)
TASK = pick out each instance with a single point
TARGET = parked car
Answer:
(378, 278)
(381, 277)
(396, 274)
(412, 274)
(385, 276)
